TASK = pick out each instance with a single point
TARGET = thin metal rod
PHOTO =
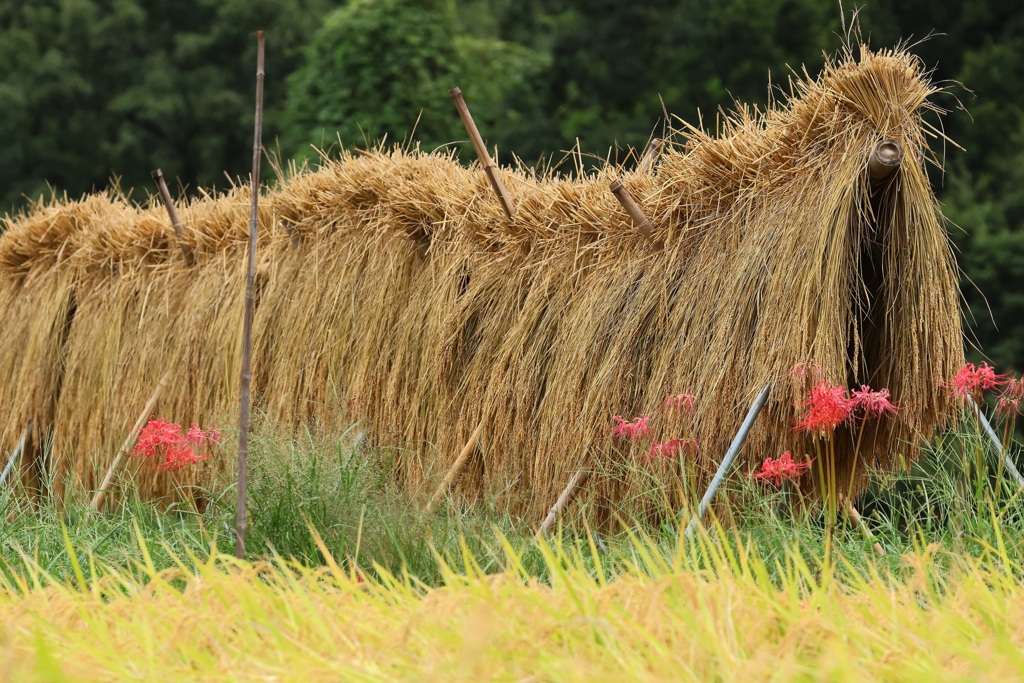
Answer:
(455, 471)
(250, 280)
(179, 229)
(1010, 467)
(16, 454)
(730, 456)
(571, 489)
(481, 151)
(632, 208)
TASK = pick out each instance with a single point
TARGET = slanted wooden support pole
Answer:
(652, 154)
(129, 441)
(241, 520)
(1010, 467)
(632, 208)
(885, 158)
(179, 229)
(571, 489)
(481, 151)
(858, 521)
(16, 454)
(730, 456)
(455, 471)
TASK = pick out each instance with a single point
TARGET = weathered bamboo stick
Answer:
(455, 471)
(481, 151)
(730, 456)
(250, 280)
(994, 438)
(179, 229)
(633, 209)
(129, 441)
(885, 158)
(651, 155)
(567, 496)
(858, 521)
(16, 454)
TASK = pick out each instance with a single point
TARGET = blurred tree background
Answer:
(101, 91)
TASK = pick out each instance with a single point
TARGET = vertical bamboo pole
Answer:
(578, 480)
(730, 455)
(179, 230)
(481, 151)
(129, 441)
(243, 419)
(455, 471)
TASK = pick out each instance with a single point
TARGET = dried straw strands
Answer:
(412, 302)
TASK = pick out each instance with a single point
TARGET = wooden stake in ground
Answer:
(633, 209)
(481, 151)
(858, 521)
(730, 455)
(571, 489)
(455, 471)
(250, 280)
(97, 500)
(179, 230)
(16, 454)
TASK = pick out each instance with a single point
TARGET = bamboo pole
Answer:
(885, 158)
(129, 441)
(652, 154)
(481, 151)
(567, 496)
(16, 454)
(179, 229)
(858, 521)
(1010, 467)
(455, 471)
(250, 280)
(633, 209)
(730, 456)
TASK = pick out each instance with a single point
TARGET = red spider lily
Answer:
(684, 402)
(872, 403)
(972, 381)
(162, 438)
(671, 448)
(1010, 400)
(631, 430)
(828, 407)
(781, 470)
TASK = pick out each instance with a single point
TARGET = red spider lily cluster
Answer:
(973, 380)
(829, 406)
(781, 469)
(637, 429)
(640, 428)
(672, 448)
(173, 448)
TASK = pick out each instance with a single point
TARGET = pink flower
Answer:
(684, 402)
(781, 470)
(631, 430)
(972, 381)
(671, 448)
(828, 407)
(1010, 399)
(873, 403)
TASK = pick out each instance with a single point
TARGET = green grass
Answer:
(311, 483)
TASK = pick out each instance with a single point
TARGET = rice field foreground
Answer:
(651, 618)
